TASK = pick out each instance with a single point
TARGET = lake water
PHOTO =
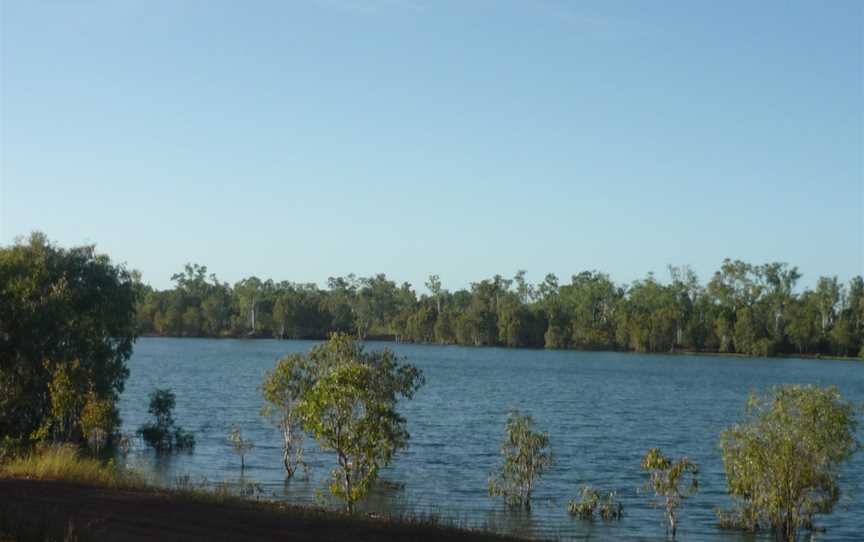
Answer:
(603, 411)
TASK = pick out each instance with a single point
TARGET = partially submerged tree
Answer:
(164, 435)
(240, 445)
(283, 388)
(783, 460)
(671, 481)
(526, 457)
(351, 410)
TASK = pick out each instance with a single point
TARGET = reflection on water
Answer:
(603, 411)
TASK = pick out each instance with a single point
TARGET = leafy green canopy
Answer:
(351, 410)
(526, 456)
(783, 460)
(67, 325)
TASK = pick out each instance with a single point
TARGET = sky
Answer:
(307, 139)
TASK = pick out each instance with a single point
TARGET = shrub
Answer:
(783, 460)
(164, 435)
(668, 480)
(592, 502)
(240, 446)
(526, 457)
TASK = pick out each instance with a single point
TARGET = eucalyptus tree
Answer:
(283, 388)
(434, 287)
(249, 293)
(525, 458)
(783, 459)
(828, 292)
(671, 481)
(351, 410)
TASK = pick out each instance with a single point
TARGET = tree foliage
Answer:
(67, 325)
(350, 409)
(783, 459)
(162, 434)
(282, 389)
(671, 481)
(592, 503)
(525, 457)
(744, 308)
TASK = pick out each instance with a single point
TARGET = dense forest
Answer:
(744, 308)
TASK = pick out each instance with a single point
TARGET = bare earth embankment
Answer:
(48, 510)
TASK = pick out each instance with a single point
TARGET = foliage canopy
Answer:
(67, 325)
(351, 410)
(783, 459)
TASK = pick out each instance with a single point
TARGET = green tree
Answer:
(671, 481)
(58, 308)
(163, 435)
(283, 389)
(525, 457)
(783, 460)
(351, 410)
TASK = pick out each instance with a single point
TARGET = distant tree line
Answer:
(744, 308)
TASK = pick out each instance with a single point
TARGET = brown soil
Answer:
(40, 509)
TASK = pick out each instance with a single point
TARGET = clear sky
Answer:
(306, 139)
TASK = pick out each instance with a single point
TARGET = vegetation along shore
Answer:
(745, 309)
(68, 322)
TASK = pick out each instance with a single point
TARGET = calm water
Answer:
(602, 411)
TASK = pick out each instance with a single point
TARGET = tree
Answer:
(434, 286)
(351, 410)
(782, 461)
(163, 435)
(64, 314)
(283, 388)
(526, 457)
(239, 445)
(668, 480)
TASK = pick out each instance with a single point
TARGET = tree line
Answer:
(744, 308)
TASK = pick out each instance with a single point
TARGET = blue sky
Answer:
(307, 139)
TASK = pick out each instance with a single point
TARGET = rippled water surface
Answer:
(602, 411)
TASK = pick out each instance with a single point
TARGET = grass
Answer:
(65, 462)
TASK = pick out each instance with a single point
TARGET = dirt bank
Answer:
(40, 509)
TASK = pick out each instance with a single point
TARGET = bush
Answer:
(592, 502)
(783, 460)
(668, 479)
(526, 457)
(163, 435)
(239, 445)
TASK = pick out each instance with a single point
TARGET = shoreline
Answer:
(679, 352)
(34, 509)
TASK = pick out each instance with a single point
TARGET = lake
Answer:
(602, 410)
